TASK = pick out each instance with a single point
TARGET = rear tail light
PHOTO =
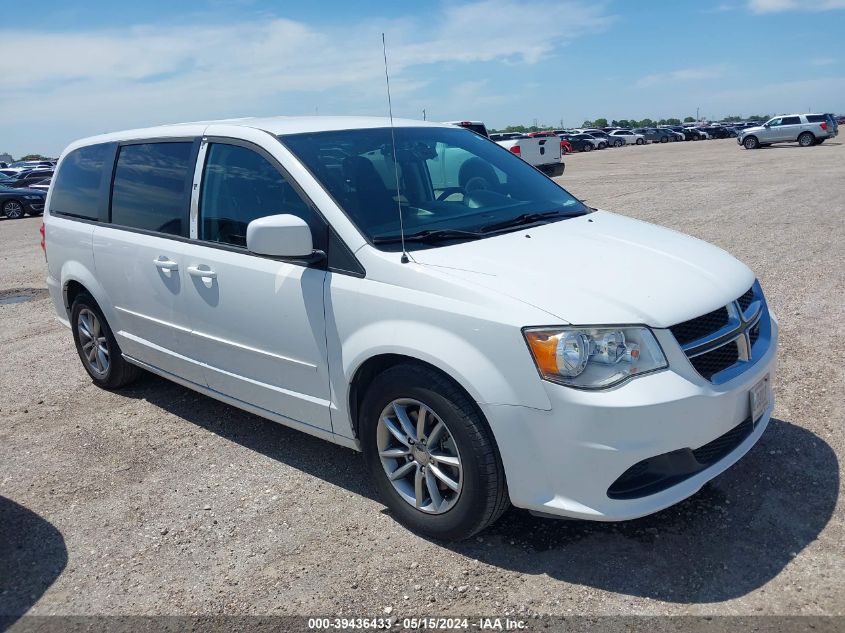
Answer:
(824, 126)
(43, 232)
(516, 150)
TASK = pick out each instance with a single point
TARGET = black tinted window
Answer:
(151, 186)
(791, 120)
(240, 186)
(816, 118)
(77, 186)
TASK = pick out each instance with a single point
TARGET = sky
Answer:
(74, 69)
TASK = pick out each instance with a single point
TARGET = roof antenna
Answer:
(405, 259)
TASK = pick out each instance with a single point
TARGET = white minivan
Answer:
(482, 336)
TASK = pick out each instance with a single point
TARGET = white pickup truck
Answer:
(541, 152)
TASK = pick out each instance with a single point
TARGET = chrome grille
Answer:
(725, 342)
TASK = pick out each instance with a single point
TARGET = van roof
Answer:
(274, 125)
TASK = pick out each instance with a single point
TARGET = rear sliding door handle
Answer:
(206, 273)
(162, 263)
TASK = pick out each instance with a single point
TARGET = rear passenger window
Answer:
(239, 186)
(791, 120)
(151, 187)
(76, 189)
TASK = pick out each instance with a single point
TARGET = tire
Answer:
(618, 143)
(482, 495)
(750, 142)
(107, 367)
(664, 139)
(806, 139)
(640, 141)
(588, 147)
(13, 210)
(602, 145)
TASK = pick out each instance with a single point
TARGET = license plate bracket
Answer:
(758, 398)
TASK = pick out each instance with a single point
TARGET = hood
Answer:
(600, 268)
(756, 128)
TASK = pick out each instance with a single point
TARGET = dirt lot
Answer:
(156, 500)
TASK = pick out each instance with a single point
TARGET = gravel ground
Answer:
(156, 500)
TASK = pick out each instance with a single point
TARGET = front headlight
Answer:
(594, 358)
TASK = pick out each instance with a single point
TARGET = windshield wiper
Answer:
(524, 219)
(440, 235)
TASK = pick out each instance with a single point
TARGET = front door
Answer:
(258, 323)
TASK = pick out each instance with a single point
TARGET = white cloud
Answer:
(777, 6)
(84, 83)
(822, 61)
(700, 73)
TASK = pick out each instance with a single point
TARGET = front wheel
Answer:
(618, 143)
(805, 139)
(431, 454)
(588, 147)
(13, 210)
(640, 141)
(751, 142)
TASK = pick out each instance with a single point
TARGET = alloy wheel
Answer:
(13, 210)
(92, 340)
(419, 456)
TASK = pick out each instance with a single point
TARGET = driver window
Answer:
(774, 122)
(239, 185)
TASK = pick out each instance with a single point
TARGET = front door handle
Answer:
(206, 273)
(163, 263)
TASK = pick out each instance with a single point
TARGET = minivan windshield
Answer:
(453, 184)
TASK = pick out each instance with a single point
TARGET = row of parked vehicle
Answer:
(805, 129)
(23, 187)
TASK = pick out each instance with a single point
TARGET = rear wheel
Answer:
(588, 147)
(664, 139)
(431, 454)
(640, 141)
(806, 139)
(750, 142)
(618, 143)
(13, 210)
(97, 348)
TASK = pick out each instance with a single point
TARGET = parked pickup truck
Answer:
(541, 152)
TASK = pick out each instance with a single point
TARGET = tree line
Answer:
(630, 123)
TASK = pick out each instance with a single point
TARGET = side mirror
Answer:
(766, 125)
(285, 235)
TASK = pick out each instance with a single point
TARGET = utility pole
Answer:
(423, 114)
(696, 114)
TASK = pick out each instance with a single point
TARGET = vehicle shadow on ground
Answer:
(32, 555)
(731, 538)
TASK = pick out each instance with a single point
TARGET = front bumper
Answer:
(33, 206)
(563, 461)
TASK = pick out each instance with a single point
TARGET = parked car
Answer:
(601, 141)
(17, 202)
(805, 129)
(581, 142)
(690, 134)
(629, 137)
(598, 134)
(28, 177)
(439, 351)
(41, 185)
(654, 135)
(676, 136)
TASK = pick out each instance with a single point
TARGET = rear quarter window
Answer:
(76, 188)
(816, 118)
